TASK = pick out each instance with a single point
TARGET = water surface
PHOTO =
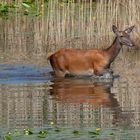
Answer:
(31, 98)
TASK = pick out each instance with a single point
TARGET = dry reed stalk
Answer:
(78, 25)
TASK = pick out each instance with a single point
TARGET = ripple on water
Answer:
(19, 74)
(78, 104)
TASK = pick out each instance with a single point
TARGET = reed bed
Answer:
(75, 24)
(89, 24)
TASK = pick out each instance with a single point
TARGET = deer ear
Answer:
(114, 29)
(129, 30)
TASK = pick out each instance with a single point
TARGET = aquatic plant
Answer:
(42, 134)
(7, 137)
(17, 134)
(28, 131)
(95, 132)
(76, 132)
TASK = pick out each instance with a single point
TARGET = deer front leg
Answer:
(102, 72)
(59, 73)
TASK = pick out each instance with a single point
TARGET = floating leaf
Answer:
(27, 132)
(94, 136)
(7, 137)
(42, 134)
(57, 130)
(93, 133)
(76, 132)
(16, 133)
(111, 133)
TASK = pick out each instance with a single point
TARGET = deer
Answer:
(89, 62)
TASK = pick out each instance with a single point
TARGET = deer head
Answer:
(124, 36)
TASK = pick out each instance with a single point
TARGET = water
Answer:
(31, 98)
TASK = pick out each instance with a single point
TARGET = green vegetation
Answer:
(42, 134)
(4, 9)
(76, 132)
(7, 137)
(26, 7)
(28, 133)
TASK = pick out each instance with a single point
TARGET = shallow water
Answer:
(31, 98)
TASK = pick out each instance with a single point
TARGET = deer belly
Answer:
(88, 72)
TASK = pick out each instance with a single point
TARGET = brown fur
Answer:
(78, 62)
(89, 62)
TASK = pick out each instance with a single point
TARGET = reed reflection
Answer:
(82, 95)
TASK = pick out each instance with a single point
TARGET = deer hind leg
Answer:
(57, 67)
(60, 70)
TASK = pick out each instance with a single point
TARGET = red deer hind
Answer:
(77, 62)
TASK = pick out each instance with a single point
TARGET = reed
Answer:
(79, 24)
(88, 24)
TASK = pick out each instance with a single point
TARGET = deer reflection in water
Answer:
(74, 91)
(82, 91)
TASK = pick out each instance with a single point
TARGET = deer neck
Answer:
(114, 49)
